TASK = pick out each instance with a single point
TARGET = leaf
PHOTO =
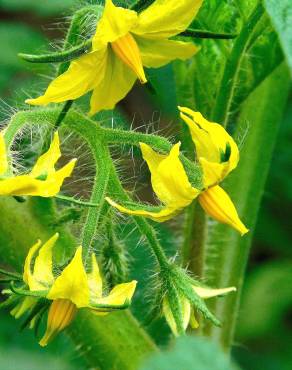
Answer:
(281, 16)
(190, 353)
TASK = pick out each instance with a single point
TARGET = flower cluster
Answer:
(124, 43)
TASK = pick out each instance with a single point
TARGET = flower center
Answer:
(61, 314)
(127, 50)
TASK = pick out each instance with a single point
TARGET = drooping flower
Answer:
(217, 154)
(188, 315)
(169, 181)
(43, 180)
(74, 288)
(124, 43)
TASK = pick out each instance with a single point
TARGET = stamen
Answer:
(127, 50)
(61, 314)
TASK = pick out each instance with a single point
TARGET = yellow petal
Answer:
(165, 18)
(127, 50)
(82, 76)
(164, 214)
(72, 283)
(119, 294)
(216, 202)
(94, 279)
(43, 266)
(52, 185)
(27, 271)
(61, 314)
(114, 23)
(117, 81)
(3, 155)
(213, 173)
(211, 139)
(27, 185)
(209, 293)
(186, 310)
(157, 53)
(168, 177)
(46, 162)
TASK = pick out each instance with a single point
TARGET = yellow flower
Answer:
(169, 181)
(74, 288)
(124, 43)
(43, 180)
(218, 155)
(187, 311)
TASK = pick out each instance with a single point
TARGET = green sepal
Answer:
(60, 56)
(140, 5)
(28, 293)
(202, 34)
(12, 275)
(38, 309)
(110, 307)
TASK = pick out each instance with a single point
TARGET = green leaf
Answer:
(190, 353)
(281, 16)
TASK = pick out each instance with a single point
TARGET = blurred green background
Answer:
(264, 336)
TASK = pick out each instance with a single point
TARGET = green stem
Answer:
(117, 191)
(60, 56)
(103, 163)
(226, 251)
(229, 80)
(158, 143)
(75, 201)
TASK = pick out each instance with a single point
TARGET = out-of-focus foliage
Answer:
(190, 353)
(44, 7)
(281, 15)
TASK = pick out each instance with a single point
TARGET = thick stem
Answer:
(228, 83)
(103, 163)
(227, 252)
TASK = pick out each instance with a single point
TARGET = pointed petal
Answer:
(157, 53)
(61, 314)
(211, 139)
(27, 271)
(168, 177)
(164, 214)
(3, 155)
(43, 266)
(117, 82)
(46, 162)
(209, 293)
(216, 202)
(213, 173)
(114, 23)
(165, 18)
(186, 308)
(94, 279)
(52, 185)
(119, 294)
(72, 283)
(82, 76)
